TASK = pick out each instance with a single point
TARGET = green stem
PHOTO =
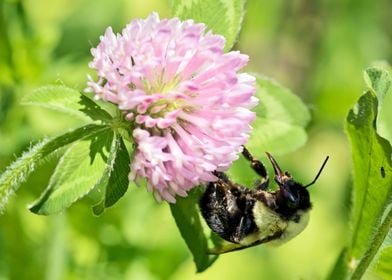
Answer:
(56, 252)
(373, 248)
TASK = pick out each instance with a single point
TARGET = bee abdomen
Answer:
(227, 211)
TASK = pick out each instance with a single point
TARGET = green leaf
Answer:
(223, 17)
(372, 173)
(66, 100)
(56, 97)
(115, 179)
(93, 110)
(99, 142)
(72, 179)
(186, 214)
(18, 171)
(281, 119)
(379, 82)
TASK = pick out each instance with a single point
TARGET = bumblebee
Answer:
(246, 217)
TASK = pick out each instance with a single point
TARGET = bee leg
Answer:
(259, 168)
(222, 176)
(261, 184)
(244, 227)
(238, 234)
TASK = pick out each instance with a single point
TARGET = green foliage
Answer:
(73, 178)
(373, 185)
(379, 82)
(107, 172)
(371, 154)
(114, 182)
(93, 110)
(279, 127)
(281, 119)
(18, 171)
(99, 142)
(186, 214)
(223, 17)
(372, 173)
(59, 98)
(66, 100)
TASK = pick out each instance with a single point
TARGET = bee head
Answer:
(291, 195)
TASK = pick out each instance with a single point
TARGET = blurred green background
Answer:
(316, 48)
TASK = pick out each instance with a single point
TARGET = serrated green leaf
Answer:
(56, 97)
(115, 179)
(73, 178)
(186, 214)
(99, 142)
(221, 16)
(18, 171)
(66, 100)
(281, 119)
(379, 81)
(93, 110)
(118, 181)
(372, 173)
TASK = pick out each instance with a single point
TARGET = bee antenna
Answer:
(318, 174)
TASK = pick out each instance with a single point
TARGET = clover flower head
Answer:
(188, 105)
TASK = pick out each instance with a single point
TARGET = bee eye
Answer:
(292, 203)
(291, 196)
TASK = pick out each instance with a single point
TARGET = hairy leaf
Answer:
(73, 178)
(222, 16)
(100, 144)
(93, 110)
(66, 100)
(379, 81)
(115, 181)
(372, 172)
(56, 97)
(18, 171)
(186, 214)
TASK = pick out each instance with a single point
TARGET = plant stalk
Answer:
(373, 249)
